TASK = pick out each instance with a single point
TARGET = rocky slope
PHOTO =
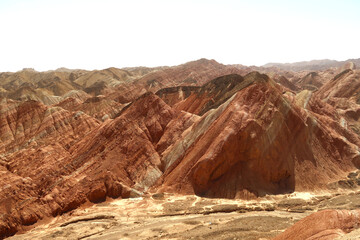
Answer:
(225, 152)
(110, 160)
(98, 107)
(199, 128)
(34, 141)
(326, 224)
(194, 73)
(343, 93)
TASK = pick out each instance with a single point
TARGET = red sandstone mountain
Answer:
(34, 141)
(98, 107)
(344, 85)
(343, 93)
(207, 131)
(194, 73)
(225, 152)
(109, 161)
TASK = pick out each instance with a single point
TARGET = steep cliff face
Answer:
(241, 149)
(216, 92)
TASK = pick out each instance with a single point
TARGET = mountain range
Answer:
(74, 138)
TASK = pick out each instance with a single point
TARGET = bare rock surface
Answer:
(326, 224)
(225, 152)
(265, 151)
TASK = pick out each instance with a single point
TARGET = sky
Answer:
(89, 34)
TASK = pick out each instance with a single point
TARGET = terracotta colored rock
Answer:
(195, 73)
(117, 159)
(323, 225)
(26, 123)
(241, 149)
(346, 85)
(34, 141)
(343, 93)
(312, 81)
(286, 83)
(207, 130)
(98, 107)
(173, 95)
(212, 94)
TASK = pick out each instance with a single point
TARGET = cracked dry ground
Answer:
(189, 217)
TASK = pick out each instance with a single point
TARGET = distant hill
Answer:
(314, 65)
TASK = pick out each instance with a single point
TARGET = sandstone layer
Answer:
(73, 138)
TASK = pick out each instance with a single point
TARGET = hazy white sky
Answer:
(89, 34)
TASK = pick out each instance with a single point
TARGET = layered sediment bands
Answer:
(173, 95)
(117, 159)
(209, 132)
(241, 149)
(31, 122)
(323, 225)
(312, 81)
(344, 85)
(343, 93)
(35, 140)
(195, 73)
(286, 83)
(216, 92)
(98, 107)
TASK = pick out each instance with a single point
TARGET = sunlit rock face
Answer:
(199, 128)
(241, 149)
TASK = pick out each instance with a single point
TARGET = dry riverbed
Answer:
(165, 216)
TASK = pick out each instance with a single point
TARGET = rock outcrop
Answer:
(34, 141)
(208, 130)
(98, 107)
(344, 85)
(323, 225)
(195, 73)
(119, 158)
(241, 148)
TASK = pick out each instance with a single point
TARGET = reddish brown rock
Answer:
(343, 93)
(216, 92)
(118, 159)
(242, 148)
(286, 83)
(194, 73)
(345, 85)
(98, 107)
(34, 141)
(210, 131)
(323, 225)
(312, 81)
(173, 95)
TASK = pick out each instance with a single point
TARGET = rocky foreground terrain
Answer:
(192, 151)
